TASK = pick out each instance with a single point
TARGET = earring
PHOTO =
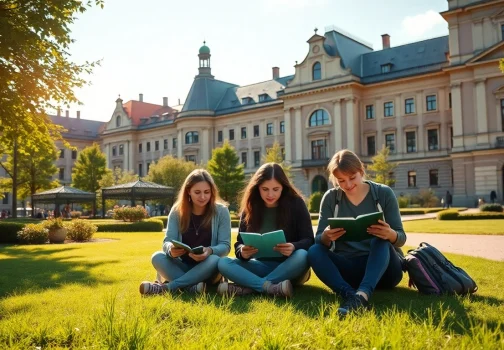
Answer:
(189, 199)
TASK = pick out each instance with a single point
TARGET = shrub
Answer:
(75, 214)
(314, 202)
(33, 234)
(412, 211)
(9, 230)
(492, 208)
(449, 214)
(481, 216)
(149, 225)
(80, 230)
(314, 216)
(403, 201)
(164, 219)
(53, 223)
(135, 214)
(235, 223)
(428, 198)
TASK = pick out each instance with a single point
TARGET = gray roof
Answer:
(205, 94)
(84, 129)
(139, 189)
(62, 194)
(350, 50)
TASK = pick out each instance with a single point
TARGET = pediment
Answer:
(490, 54)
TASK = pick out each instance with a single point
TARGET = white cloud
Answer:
(422, 24)
(291, 4)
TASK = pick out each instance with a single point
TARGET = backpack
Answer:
(431, 273)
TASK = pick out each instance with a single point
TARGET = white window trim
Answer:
(437, 102)
(393, 109)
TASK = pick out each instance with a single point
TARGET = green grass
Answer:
(86, 295)
(475, 227)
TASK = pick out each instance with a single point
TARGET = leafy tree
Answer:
(170, 171)
(275, 155)
(227, 171)
(381, 169)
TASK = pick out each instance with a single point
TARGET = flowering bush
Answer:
(53, 223)
(137, 213)
(75, 214)
(33, 234)
(80, 230)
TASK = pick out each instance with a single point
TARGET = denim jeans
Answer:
(254, 273)
(180, 274)
(382, 268)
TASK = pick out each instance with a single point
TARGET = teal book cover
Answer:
(264, 243)
(356, 228)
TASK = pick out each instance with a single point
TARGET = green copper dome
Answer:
(204, 49)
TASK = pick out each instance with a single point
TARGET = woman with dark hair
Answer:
(270, 202)
(354, 269)
(198, 218)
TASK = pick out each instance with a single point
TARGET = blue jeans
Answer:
(180, 274)
(382, 268)
(254, 273)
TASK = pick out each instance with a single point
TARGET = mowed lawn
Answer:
(475, 227)
(86, 296)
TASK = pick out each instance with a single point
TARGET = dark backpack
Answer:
(431, 273)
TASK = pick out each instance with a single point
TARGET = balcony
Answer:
(499, 143)
(314, 163)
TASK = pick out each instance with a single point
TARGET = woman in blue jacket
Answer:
(198, 218)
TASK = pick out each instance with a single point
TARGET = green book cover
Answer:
(196, 250)
(356, 228)
(264, 242)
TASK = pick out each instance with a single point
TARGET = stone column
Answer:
(338, 132)
(379, 115)
(130, 156)
(398, 122)
(457, 122)
(287, 136)
(498, 113)
(107, 154)
(250, 154)
(444, 137)
(204, 149)
(481, 113)
(350, 123)
(298, 132)
(421, 127)
(262, 135)
(179, 144)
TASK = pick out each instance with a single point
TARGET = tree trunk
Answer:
(14, 180)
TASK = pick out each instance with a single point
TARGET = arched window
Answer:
(118, 121)
(319, 117)
(191, 137)
(317, 71)
(319, 184)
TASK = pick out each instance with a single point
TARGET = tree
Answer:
(227, 171)
(381, 169)
(89, 169)
(276, 155)
(169, 171)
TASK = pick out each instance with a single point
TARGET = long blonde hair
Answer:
(346, 162)
(183, 205)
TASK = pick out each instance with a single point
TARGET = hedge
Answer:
(148, 225)
(163, 218)
(449, 214)
(492, 207)
(9, 230)
(481, 216)
(235, 223)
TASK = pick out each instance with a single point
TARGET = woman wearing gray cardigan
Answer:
(196, 219)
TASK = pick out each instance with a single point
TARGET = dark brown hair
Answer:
(252, 205)
(346, 162)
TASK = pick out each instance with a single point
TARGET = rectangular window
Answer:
(140, 148)
(410, 141)
(283, 153)
(502, 113)
(190, 158)
(246, 100)
(431, 103)
(388, 109)
(502, 32)
(174, 142)
(257, 158)
(318, 148)
(243, 133)
(140, 170)
(269, 129)
(409, 106)
(121, 150)
(62, 173)
(244, 159)
(385, 68)
(451, 137)
(449, 101)
(282, 125)
(148, 146)
(219, 136)
(433, 177)
(370, 112)
(147, 169)
(231, 134)
(412, 178)
(5, 199)
(74, 154)
(390, 142)
(263, 97)
(391, 176)
(165, 144)
(114, 151)
(371, 145)
(256, 130)
(62, 153)
(432, 139)
(156, 145)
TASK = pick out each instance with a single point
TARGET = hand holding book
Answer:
(356, 229)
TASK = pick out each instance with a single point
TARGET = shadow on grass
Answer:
(29, 269)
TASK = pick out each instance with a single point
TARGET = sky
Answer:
(151, 46)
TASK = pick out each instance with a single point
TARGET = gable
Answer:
(492, 53)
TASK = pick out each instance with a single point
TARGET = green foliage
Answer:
(53, 223)
(403, 201)
(80, 230)
(163, 218)
(481, 216)
(314, 202)
(449, 214)
(274, 154)
(381, 169)
(427, 198)
(170, 171)
(75, 214)
(148, 225)
(495, 207)
(9, 230)
(501, 65)
(33, 234)
(89, 169)
(235, 223)
(227, 172)
(132, 214)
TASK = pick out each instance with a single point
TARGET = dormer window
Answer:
(118, 121)
(247, 100)
(263, 97)
(317, 71)
(385, 68)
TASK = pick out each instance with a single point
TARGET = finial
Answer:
(119, 95)
(204, 42)
(316, 30)
(296, 63)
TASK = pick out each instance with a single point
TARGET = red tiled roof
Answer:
(136, 110)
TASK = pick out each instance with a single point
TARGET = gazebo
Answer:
(136, 190)
(63, 195)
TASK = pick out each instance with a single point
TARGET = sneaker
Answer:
(226, 288)
(353, 303)
(198, 288)
(282, 289)
(148, 288)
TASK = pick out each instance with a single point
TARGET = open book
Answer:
(356, 228)
(264, 242)
(196, 250)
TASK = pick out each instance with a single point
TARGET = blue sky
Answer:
(151, 46)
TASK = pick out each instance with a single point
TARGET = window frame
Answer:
(231, 134)
(412, 107)
(282, 127)
(394, 141)
(412, 174)
(121, 150)
(315, 114)
(374, 145)
(317, 69)
(192, 136)
(388, 106)
(431, 173)
(269, 129)
(319, 145)
(243, 132)
(428, 104)
(370, 113)
(256, 131)
(244, 156)
(415, 149)
(257, 158)
(220, 136)
(437, 140)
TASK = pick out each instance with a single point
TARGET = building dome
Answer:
(204, 49)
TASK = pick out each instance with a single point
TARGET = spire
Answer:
(204, 61)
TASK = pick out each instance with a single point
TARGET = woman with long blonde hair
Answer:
(198, 218)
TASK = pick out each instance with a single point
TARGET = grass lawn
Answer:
(476, 227)
(86, 295)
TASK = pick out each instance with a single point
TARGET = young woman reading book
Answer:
(270, 202)
(354, 269)
(198, 218)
